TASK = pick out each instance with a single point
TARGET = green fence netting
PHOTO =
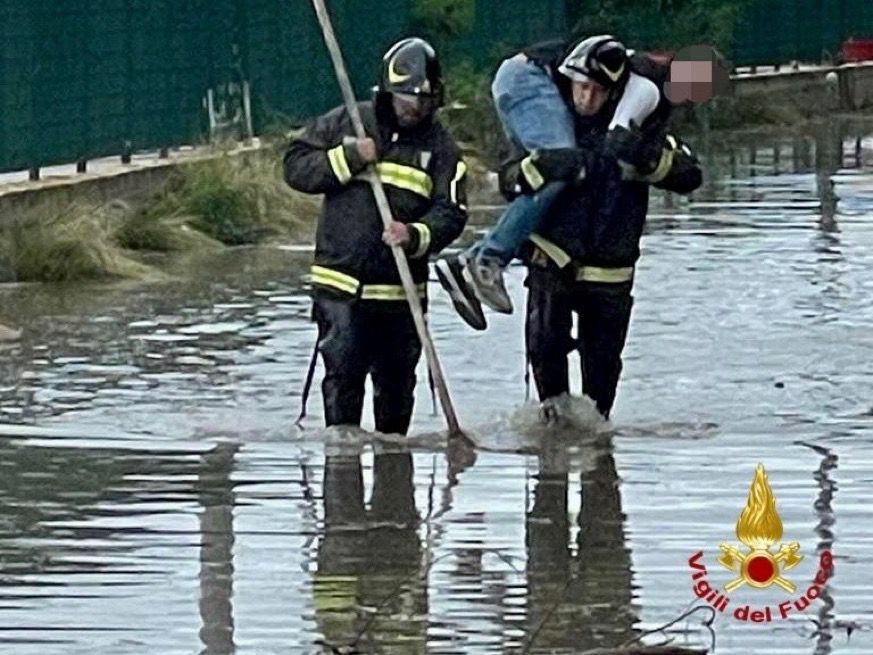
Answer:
(81, 79)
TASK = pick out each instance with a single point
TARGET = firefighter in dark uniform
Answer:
(581, 258)
(364, 322)
(370, 558)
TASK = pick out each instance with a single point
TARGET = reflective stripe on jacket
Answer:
(424, 178)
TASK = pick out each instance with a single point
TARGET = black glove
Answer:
(528, 174)
(567, 164)
(685, 174)
(642, 150)
(509, 179)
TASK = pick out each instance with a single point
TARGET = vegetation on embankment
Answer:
(236, 199)
(57, 242)
(232, 199)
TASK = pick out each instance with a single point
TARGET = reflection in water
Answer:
(828, 275)
(110, 346)
(579, 600)
(370, 590)
(820, 151)
(82, 538)
(216, 497)
(29, 505)
(829, 138)
(801, 152)
(51, 493)
(824, 511)
(547, 537)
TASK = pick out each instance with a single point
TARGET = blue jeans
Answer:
(534, 116)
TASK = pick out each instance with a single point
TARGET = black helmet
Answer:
(600, 58)
(411, 67)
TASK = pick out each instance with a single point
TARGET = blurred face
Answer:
(690, 81)
(698, 73)
(589, 97)
(411, 109)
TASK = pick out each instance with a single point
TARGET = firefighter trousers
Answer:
(355, 341)
(603, 312)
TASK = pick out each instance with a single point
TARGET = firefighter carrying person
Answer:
(364, 323)
(532, 92)
(582, 255)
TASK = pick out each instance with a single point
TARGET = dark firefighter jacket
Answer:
(592, 232)
(424, 178)
(595, 226)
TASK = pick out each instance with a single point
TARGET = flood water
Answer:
(156, 497)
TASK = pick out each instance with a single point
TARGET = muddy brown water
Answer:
(156, 497)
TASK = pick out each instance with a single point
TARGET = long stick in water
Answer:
(385, 211)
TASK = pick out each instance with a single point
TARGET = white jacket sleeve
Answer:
(641, 97)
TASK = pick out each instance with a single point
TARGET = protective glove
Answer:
(567, 164)
(641, 150)
(529, 174)
(684, 174)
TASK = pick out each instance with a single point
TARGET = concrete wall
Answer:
(102, 188)
(106, 179)
(852, 84)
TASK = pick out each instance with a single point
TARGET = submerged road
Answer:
(156, 497)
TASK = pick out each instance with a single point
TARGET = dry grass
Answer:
(58, 241)
(231, 199)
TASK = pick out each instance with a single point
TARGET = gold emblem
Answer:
(614, 76)
(759, 527)
(394, 76)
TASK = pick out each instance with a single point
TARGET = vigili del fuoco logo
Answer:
(764, 561)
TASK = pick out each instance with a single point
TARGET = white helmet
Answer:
(602, 59)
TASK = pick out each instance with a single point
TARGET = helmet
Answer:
(602, 59)
(411, 67)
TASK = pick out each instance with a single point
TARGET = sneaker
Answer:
(450, 271)
(486, 279)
